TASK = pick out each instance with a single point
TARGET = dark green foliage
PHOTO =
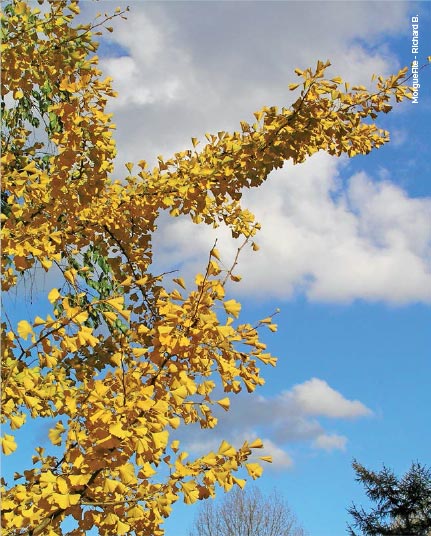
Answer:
(403, 505)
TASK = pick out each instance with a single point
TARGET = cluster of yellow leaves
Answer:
(53, 80)
(121, 362)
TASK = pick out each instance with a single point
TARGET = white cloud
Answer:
(330, 442)
(342, 244)
(128, 83)
(333, 242)
(315, 397)
(289, 418)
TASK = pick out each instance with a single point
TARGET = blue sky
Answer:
(345, 244)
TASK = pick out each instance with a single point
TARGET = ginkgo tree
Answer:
(126, 356)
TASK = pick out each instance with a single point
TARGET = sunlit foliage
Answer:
(123, 359)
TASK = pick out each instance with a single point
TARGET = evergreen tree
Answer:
(403, 505)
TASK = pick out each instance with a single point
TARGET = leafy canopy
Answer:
(120, 361)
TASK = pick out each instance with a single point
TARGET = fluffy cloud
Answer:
(315, 397)
(330, 442)
(332, 240)
(288, 418)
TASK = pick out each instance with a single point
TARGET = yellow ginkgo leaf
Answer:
(74, 8)
(117, 430)
(79, 480)
(224, 403)
(8, 444)
(56, 237)
(53, 295)
(70, 275)
(62, 486)
(256, 444)
(110, 485)
(191, 492)
(136, 512)
(254, 470)
(146, 471)
(215, 253)
(232, 307)
(122, 528)
(110, 315)
(127, 474)
(48, 477)
(16, 421)
(24, 329)
(55, 433)
(117, 303)
(161, 439)
(239, 482)
(127, 282)
(46, 264)
(226, 449)
(65, 500)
